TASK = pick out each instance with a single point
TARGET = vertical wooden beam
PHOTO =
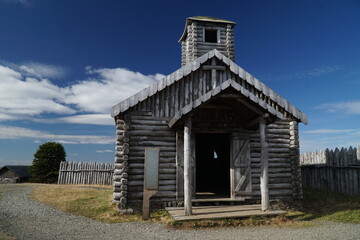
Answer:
(264, 176)
(187, 167)
(213, 73)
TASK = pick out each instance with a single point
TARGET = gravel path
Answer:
(24, 218)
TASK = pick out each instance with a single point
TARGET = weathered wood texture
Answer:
(128, 177)
(8, 176)
(187, 167)
(264, 169)
(136, 131)
(283, 159)
(194, 45)
(86, 173)
(332, 170)
(190, 86)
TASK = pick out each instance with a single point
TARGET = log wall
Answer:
(284, 178)
(139, 129)
(143, 130)
(194, 46)
(332, 170)
(86, 173)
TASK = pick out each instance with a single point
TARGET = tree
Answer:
(46, 163)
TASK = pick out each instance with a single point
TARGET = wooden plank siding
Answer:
(86, 173)
(180, 85)
(169, 101)
(332, 170)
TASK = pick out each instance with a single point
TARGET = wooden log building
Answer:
(14, 174)
(221, 132)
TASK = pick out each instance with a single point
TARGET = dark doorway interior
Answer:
(213, 164)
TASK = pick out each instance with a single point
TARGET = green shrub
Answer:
(46, 163)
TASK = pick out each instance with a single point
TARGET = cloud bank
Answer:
(350, 107)
(9, 132)
(26, 93)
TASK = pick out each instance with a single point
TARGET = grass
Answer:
(97, 205)
(92, 203)
(337, 207)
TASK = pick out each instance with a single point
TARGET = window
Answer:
(211, 35)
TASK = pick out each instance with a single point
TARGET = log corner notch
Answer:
(264, 175)
(187, 167)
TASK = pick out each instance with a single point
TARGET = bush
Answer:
(46, 163)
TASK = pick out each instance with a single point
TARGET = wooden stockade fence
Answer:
(333, 170)
(86, 173)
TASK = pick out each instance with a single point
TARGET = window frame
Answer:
(218, 40)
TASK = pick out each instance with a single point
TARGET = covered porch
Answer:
(232, 117)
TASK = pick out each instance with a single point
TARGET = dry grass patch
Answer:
(87, 201)
(96, 203)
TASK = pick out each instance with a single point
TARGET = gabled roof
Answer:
(21, 171)
(184, 71)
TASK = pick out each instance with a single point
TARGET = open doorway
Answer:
(212, 165)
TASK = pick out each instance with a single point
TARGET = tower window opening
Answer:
(211, 35)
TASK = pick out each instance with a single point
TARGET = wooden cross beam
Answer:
(213, 67)
(257, 120)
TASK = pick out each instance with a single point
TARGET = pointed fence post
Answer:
(264, 175)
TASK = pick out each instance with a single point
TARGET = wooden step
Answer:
(209, 200)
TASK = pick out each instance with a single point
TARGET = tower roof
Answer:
(203, 19)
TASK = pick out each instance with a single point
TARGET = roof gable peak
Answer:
(195, 65)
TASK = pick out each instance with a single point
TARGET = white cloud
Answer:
(328, 131)
(310, 73)
(109, 87)
(9, 132)
(41, 70)
(350, 107)
(320, 139)
(21, 96)
(93, 119)
(24, 3)
(25, 92)
(104, 151)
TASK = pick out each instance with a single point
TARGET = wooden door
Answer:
(180, 165)
(240, 166)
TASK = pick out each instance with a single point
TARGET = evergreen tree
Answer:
(46, 163)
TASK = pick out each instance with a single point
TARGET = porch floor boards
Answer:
(218, 212)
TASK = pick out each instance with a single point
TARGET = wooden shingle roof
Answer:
(203, 19)
(260, 94)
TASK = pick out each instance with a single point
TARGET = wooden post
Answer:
(187, 167)
(264, 175)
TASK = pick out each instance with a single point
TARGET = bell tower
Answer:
(203, 34)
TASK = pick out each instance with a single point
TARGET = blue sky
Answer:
(63, 64)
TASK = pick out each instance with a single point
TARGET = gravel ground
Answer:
(23, 218)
